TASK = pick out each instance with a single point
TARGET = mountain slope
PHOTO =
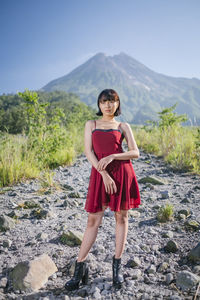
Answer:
(142, 91)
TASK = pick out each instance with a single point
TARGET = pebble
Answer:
(146, 239)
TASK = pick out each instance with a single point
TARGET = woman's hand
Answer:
(103, 162)
(109, 184)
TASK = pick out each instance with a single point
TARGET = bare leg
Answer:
(121, 231)
(94, 220)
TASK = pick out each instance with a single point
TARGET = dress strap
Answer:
(119, 127)
(95, 124)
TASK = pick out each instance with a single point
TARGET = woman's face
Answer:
(108, 107)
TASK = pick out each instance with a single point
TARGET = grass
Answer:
(165, 213)
(18, 164)
(178, 146)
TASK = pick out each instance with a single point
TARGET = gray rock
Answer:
(7, 243)
(169, 278)
(134, 262)
(71, 238)
(196, 270)
(165, 194)
(12, 194)
(144, 238)
(186, 280)
(192, 225)
(134, 213)
(175, 297)
(151, 269)
(181, 217)
(194, 254)
(30, 276)
(168, 234)
(134, 273)
(163, 266)
(97, 295)
(74, 195)
(6, 223)
(171, 246)
(42, 236)
(3, 282)
(153, 180)
(185, 212)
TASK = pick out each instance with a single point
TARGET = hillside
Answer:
(142, 91)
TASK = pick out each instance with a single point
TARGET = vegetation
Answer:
(40, 131)
(51, 134)
(165, 213)
(177, 145)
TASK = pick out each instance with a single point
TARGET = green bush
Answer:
(165, 213)
(178, 145)
(45, 142)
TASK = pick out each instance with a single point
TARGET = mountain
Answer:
(142, 91)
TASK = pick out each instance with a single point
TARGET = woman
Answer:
(112, 183)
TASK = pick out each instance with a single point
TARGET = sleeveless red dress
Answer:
(106, 142)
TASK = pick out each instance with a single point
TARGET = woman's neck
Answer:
(108, 119)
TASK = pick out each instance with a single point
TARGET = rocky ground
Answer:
(155, 263)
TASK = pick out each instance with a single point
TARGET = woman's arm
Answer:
(132, 146)
(88, 147)
(132, 153)
(110, 186)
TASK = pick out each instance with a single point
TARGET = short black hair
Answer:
(109, 94)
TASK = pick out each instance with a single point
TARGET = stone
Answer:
(42, 213)
(185, 200)
(3, 282)
(134, 213)
(169, 278)
(7, 243)
(171, 246)
(135, 273)
(167, 234)
(6, 223)
(153, 180)
(30, 276)
(42, 236)
(194, 254)
(175, 297)
(165, 194)
(163, 266)
(74, 195)
(72, 238)
(82, 292)
(181, 217)
(196, 269)
(134, 262)
(12, 193)
(67, 187)
(151, 269)
(97, 295)
(191, 225)
(185, 212)
(186, 280)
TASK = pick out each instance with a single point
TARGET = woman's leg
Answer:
(94, 220)
(121, 230)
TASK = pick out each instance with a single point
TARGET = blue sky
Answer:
(45, 39)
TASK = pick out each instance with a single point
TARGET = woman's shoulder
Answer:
(126, 128)
(124, 125)
(89, 124)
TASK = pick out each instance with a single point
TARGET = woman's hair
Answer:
(109, 94)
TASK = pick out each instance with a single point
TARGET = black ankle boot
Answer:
(117, 276)
(80, 273)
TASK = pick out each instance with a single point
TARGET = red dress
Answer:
(106, 142)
